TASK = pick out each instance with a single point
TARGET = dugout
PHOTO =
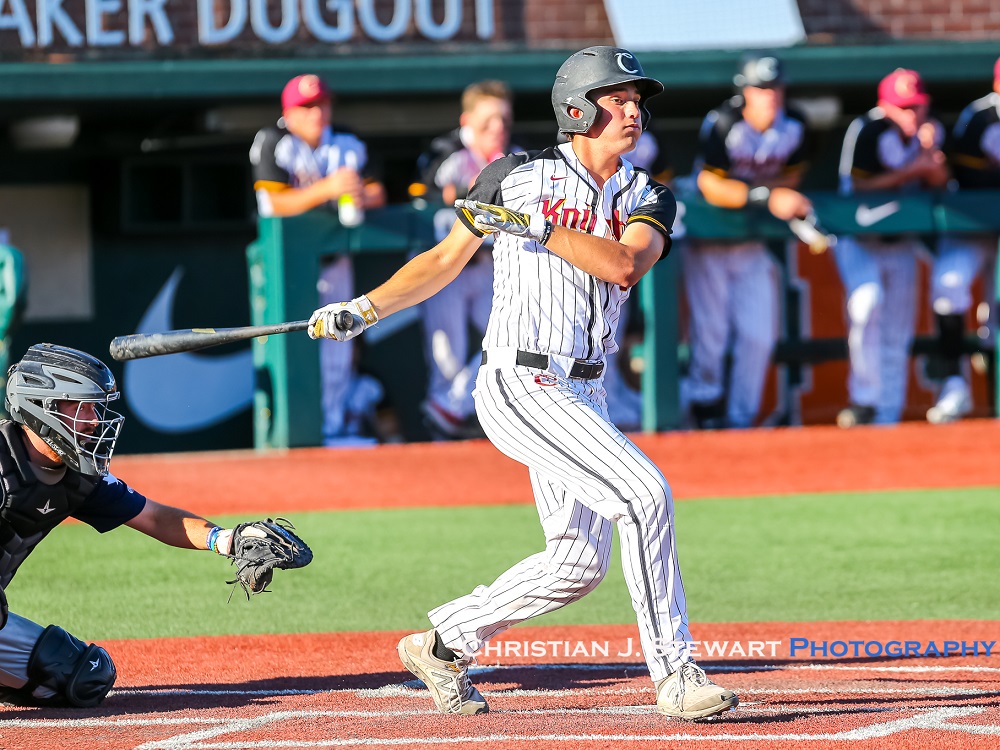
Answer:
(145, 174)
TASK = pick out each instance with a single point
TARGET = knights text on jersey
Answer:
(730, 147)
(281, 160)
(975, 150)
(541, 302)
(873, 145)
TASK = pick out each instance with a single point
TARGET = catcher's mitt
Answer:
(258, 547)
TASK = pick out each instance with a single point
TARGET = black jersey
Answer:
(106, 506)
(874, 145)
(730, 147)
(974, 148)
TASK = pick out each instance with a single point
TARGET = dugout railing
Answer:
(284, 264)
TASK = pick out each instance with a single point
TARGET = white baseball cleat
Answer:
(954, 402)
(689, 694)
(447, 681)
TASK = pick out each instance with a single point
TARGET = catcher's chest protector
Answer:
(29, 508)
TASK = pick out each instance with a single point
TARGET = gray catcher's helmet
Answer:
(49, 374)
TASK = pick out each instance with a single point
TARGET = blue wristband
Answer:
(213, 535)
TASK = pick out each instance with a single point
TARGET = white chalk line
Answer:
(744, 708)
(413, 689)
(937, 718)
(812, 666)
(932, 719)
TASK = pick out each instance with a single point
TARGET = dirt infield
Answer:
(697, 465)
(348, 689)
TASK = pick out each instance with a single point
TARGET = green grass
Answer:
(893, 555)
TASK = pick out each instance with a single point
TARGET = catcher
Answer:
(54, 459)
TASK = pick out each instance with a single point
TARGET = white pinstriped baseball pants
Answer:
(732, 291)
(880, 280)
(585, 475)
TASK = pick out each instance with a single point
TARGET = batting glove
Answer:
(488, 218)
(328, 323)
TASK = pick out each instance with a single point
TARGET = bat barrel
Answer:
(140, 345)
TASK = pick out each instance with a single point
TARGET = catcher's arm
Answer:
(256, 548)
(174, 526)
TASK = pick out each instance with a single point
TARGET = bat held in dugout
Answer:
(809, 231)
(140, 345)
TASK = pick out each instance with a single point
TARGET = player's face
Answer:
(308, 122)
(907, 119)
(80, 416)
(762, 106)
(489, 124)
(619, 119)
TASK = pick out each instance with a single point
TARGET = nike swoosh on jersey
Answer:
(865, 215)
(184, 392)
(559, 178)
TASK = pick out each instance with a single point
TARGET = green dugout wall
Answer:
(284, 261)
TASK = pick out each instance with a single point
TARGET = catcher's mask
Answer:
(62, 395)
(591, 69)
(760, 70)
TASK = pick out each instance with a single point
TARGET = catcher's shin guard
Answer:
(79, 674)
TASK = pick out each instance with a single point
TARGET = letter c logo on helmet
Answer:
(623, 66)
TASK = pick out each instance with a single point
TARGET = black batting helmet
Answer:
(761, 70)
(50, 374)
(594, 68)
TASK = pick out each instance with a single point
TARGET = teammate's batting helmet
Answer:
(50, 374)
(594, 68)
(763, 71)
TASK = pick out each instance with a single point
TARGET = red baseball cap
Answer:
(903, 88)
(303, 90)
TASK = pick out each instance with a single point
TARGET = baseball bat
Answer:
(139, 345)
(809, 231)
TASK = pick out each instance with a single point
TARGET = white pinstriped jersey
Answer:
(541, 302)
(282, 159)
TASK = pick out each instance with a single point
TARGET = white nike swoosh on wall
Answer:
(865, 215)
(184, 392)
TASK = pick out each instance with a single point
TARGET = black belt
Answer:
(582, 369)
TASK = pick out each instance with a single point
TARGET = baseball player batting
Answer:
(576, 227)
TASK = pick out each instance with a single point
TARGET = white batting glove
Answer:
(329, 323)
(489, 218)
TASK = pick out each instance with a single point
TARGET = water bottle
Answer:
(350, 212)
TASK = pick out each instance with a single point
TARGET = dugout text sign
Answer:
(150, 25)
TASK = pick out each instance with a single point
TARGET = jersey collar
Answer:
(622, 176)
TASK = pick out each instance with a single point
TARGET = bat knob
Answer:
(344, 320)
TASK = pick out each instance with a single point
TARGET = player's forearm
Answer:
(426, 274)
(887, 181)
(294, 201)
(723, 191)
(608, 260)
(172, 526)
